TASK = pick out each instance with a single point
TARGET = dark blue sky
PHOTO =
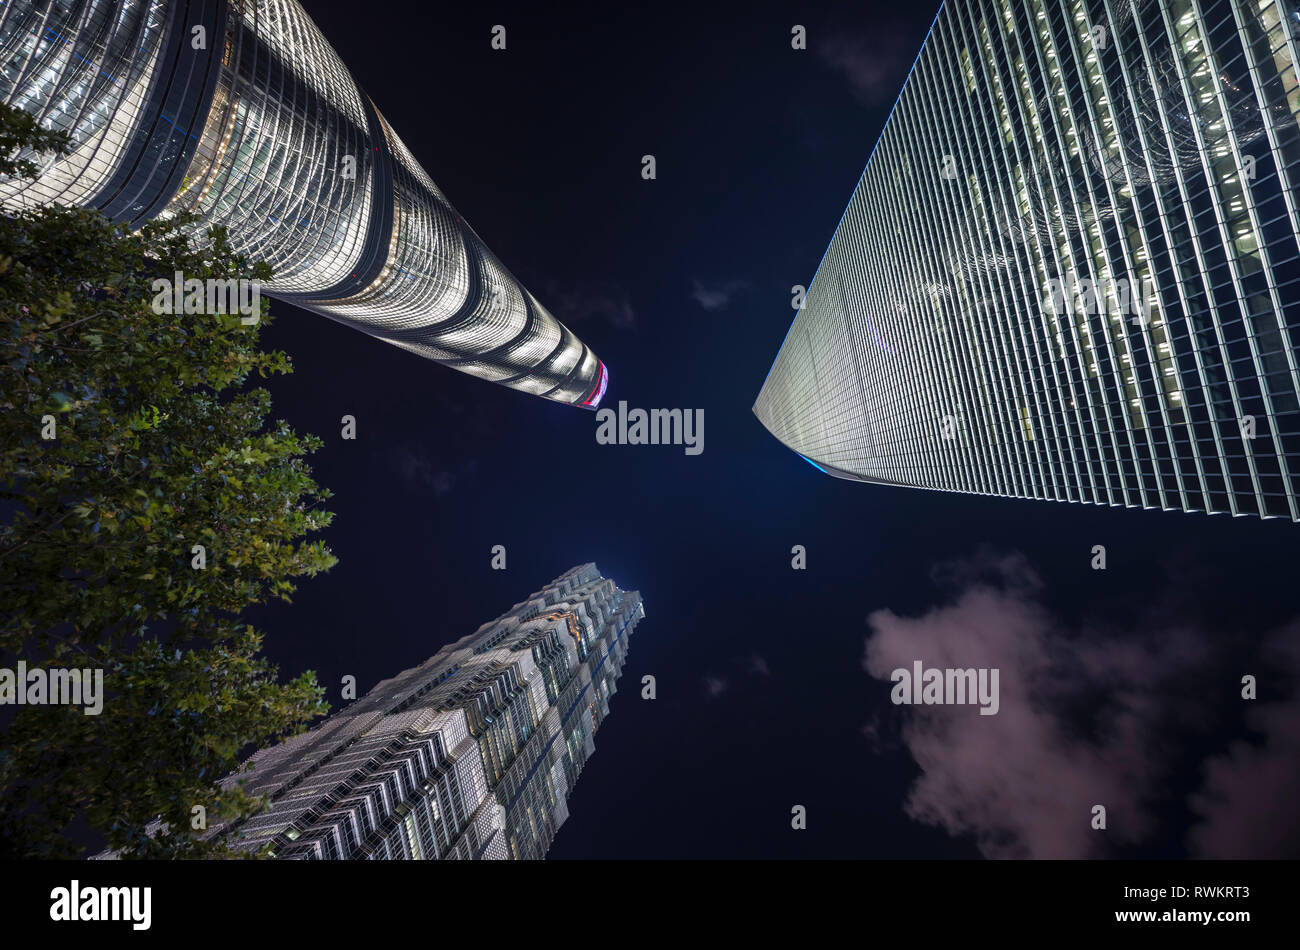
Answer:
(758, 150)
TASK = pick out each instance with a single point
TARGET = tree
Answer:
(146, 503)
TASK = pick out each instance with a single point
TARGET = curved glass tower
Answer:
(239, 110)
(1071, 268)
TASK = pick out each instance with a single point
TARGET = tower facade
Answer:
(1071, 268)
(469, 755)
(241, 112)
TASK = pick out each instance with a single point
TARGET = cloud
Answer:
(591, 300)
(873, 66)
(880, 738)
(1086, 718)
(1248, 787)
(716, 686)
(417, 469)
(716, 295)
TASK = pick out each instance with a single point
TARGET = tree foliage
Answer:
(160, 444)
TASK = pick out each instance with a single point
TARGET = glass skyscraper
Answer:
(240, 111)
(471, 754)
(1071, 268)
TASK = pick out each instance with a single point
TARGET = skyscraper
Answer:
(471, 754)
(240, 111)
(1071, 268)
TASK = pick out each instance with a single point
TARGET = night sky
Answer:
(1119, 686)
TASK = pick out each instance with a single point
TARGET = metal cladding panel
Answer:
(263, 130)
(561, 786)
(1071, 268)
(495, 849)
(537, 693)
